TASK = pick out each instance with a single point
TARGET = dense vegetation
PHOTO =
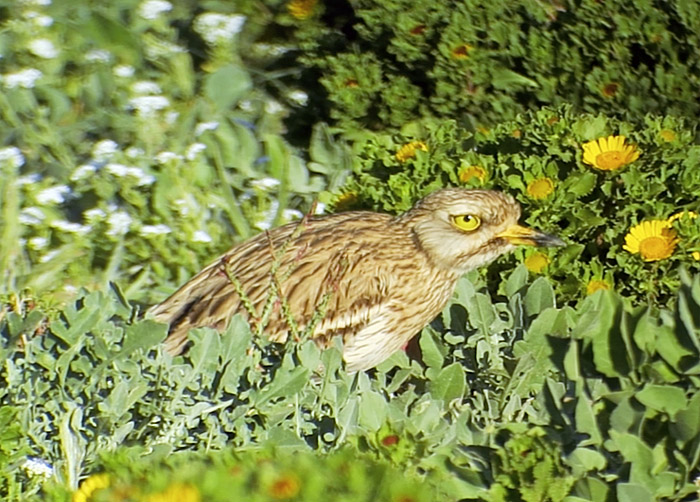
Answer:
(142, 138)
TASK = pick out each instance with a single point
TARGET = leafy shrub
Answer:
(387, 63)
(136, 141)
(604, 396)
(539, 158)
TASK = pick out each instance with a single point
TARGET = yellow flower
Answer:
(301, 9)
(408, 150)
(90, 486)
(467, 173)
(344, 201)
(682, 214)
(609, 154)
(596, 285)
(654, 240)
(695, 255)
(540, 188)
(536, 262)
(461, 51)
(176, 492)
(667, 135)
(285, 487)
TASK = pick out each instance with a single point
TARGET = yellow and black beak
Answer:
(517, 234)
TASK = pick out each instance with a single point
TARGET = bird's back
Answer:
(340, 270)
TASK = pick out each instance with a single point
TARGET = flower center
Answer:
(609, 161)
(655, 248)
(541, 188)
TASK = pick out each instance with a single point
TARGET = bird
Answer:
(371, 278)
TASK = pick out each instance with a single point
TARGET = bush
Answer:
(539, 158)
(387, 63)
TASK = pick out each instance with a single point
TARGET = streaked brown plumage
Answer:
(383, 277)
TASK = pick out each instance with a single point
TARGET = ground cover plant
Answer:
(141, 138)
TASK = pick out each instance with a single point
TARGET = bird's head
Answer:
(461, 229)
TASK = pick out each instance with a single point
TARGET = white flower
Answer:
(12, 157)
(171, 117)
(119, 223)
(123, 71)
(160, 229)
(39, 20)
(201, 236)
(70, 227)
(28, 179)
(147, 105)
(104, 149)
(134, 152)
(49, 256)
(145, 87)
(82, 172)
(320, 208)
(99, 56)
(165, 157)
(43, 47)
(152, 9)
(94, 214)
(271, 50)
(203, 127)
(24, 78)
(214, 27)
(292, 214)
(38, 467)
(120, 170)
(299, 97)
(31, 216)
(263, 225)
(38, 242)
(273, 107)
(53, 195)
(194, 149)
(182, 207)
(36, 3)
(158, 48)
(246, 105)
(265, 183)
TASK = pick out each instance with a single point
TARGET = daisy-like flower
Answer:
(201, 236)
(695, 255)
(24, 78)
(610, 89)
(90, 486)
(596, 285)
(43, 47)
(609, 154)
(408, 151)
(301, 9)
(466, 174)
(684, 215)
(461, 51)
(536, 262)
(215, 28)
(653, 240)
(540, 188)
(285, 487)
(344, 201)
(667, 135)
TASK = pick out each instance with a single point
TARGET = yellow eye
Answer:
(467, 222)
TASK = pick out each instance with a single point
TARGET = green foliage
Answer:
(137, 141)
(386, 63)
(592, 210)
(515, 398)
(264, 475)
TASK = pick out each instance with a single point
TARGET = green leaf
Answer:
(516, 280)
(372, 411)
(685, 425)
(142, 336)
(585, 417)
(284, 385)
(449, 384)
(632, 492)
(505, 79)
(539, 296)
(665, 398)
(433, 354)
(226, 86)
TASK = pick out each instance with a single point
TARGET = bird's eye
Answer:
(467, 222)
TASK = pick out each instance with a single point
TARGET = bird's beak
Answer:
(517, 234)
